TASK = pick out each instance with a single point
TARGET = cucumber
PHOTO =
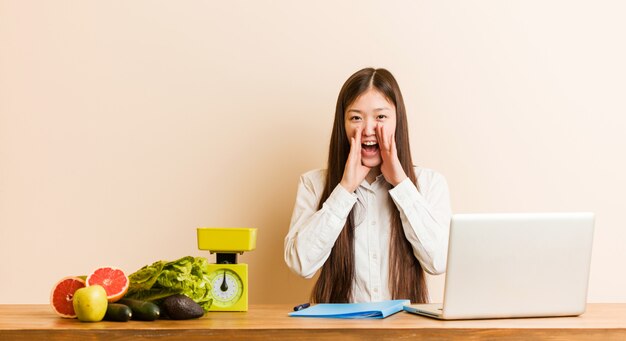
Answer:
(118, 312)
(142, 310)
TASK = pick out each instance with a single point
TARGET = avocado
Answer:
(181, 307)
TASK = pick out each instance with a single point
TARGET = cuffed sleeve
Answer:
(312, 232)
(425, 218)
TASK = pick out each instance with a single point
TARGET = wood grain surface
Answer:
(270, 322)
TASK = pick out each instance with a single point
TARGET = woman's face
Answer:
(369, 110)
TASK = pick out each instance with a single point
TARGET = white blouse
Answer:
(425, 218)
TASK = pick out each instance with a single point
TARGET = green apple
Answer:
(90, 303)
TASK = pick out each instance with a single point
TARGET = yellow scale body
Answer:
(228, 279)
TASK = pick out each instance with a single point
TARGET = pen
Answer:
(301, 306)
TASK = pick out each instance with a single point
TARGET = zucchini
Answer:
(118, 312)
(142, 310)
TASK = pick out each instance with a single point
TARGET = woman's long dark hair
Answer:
(406, 276)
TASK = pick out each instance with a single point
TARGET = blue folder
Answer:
(376, 310)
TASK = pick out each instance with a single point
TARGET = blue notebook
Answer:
(376, 310)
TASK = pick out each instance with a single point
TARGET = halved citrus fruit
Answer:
(62, 296)
(113, 280)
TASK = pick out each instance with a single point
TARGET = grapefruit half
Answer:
(113, 280)
(62, 296)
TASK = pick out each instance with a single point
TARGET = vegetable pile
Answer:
(187, 276)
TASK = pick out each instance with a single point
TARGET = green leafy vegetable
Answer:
(187, 276)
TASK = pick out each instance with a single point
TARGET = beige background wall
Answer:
(124, 125)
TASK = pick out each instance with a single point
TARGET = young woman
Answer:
(371, 221)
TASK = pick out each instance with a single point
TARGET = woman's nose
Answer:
(370, 129)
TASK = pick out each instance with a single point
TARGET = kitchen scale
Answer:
(228, 279)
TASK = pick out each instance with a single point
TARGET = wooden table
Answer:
(270, 322)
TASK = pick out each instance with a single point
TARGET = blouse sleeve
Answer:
(425, 219)
(312, 232)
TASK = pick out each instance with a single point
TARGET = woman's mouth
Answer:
(369, 148)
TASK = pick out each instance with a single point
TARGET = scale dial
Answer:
(226, 287)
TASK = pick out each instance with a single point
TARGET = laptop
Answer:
(515, 265)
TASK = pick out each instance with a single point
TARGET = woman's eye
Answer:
(381, 117)
(355, 118)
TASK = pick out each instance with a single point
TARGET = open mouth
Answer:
(369, 147)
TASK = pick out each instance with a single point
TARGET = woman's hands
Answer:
(355, 172)
(390, 166)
